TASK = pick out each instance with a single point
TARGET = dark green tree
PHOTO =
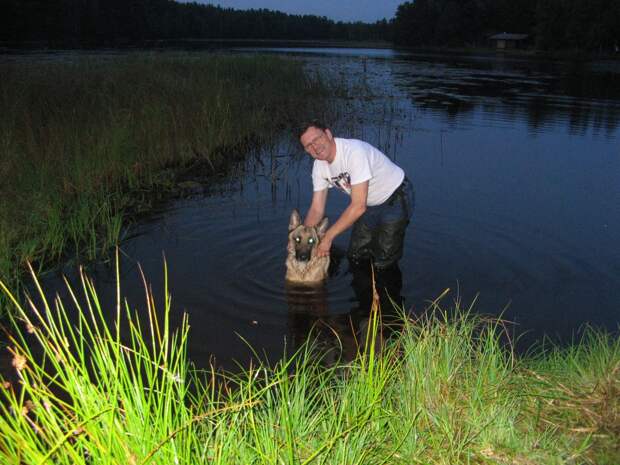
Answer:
(113, 22)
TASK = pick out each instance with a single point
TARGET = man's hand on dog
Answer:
(323, 248)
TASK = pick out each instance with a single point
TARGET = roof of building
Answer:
(508, 36)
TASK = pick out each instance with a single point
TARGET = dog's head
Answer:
(302, 240)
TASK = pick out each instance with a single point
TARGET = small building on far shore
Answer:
(506, 41)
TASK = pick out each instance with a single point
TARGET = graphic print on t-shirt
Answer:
(342, 182)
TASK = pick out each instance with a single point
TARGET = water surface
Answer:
(516, 168)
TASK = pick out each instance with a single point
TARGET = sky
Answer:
(338, 10)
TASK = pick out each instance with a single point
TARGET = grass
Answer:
(86, 143)
(445, 390)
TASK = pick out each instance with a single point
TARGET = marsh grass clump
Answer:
(93, 385)
(123, 391)
(86, 141)
(578, 392)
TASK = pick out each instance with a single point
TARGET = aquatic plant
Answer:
(88, 143)
(95, 385)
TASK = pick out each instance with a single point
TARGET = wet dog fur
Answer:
(302, 264)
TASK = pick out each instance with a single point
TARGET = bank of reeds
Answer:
(85, 140)
(444, 391)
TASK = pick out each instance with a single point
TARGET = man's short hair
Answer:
(313, 123)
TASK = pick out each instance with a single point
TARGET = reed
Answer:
(87, 142)
(94, 385)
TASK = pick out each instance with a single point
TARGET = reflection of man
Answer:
(310, 318)
(388, 283)
(381, 195)
(340, 337)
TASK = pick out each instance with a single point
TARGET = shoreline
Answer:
(162, 44)
(558, 55)
(10, 47)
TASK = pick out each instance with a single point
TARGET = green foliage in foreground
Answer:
(84, 141)
(445, 391)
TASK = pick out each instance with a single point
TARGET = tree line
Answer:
(551, 24)
(111, 22)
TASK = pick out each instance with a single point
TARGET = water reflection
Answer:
(515, 91)
(340, 337)
(508, 88)
(541, 101)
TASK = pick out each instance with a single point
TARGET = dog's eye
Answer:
(311, 240)
(298, 239)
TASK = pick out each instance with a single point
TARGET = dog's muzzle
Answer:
(302, 256)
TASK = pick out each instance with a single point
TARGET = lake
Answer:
(516, 167)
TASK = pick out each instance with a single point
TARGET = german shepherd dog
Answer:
(302, 265)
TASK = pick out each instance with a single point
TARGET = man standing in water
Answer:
(382, 197)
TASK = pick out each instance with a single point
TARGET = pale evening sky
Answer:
(338, 10)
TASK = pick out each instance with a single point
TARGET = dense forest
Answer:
(551, 24)
(113, 22)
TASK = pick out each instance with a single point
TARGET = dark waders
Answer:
(378, 235)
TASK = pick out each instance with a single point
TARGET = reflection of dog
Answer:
(302, 264)
(333, 336)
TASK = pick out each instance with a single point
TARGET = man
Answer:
(381, 195)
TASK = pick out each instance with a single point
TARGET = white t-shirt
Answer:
(357, 161)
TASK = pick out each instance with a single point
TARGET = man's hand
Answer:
(357, 207)
(323, 249)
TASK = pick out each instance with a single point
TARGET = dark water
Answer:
(516, 168)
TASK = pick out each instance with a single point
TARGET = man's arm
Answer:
(317, 208)
(357, 207)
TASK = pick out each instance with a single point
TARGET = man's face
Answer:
(318, 143)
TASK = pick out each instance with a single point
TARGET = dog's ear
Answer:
(295, 220)
(322, 227)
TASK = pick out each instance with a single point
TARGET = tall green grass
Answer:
(445, 390)
(85, 141)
